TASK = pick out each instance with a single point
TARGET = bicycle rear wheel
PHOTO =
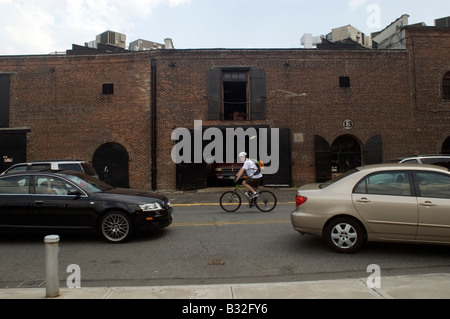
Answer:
(230, 201)
(266, 201)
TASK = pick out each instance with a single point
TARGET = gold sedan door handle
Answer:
(363, 200)
(427, 203)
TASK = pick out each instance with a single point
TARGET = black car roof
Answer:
(48, 171)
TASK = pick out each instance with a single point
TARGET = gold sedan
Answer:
(385, 202)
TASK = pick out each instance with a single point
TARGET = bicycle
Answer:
(230, 201)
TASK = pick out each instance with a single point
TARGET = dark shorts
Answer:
(253, 182)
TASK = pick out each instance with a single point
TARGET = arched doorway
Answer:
(446, 146)
(345, 154)
(111, 162)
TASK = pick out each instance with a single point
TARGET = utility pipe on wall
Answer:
(153, 124)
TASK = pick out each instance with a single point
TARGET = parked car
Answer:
(385, 202)
(227, 171)
(70, 200)
(440, 160)
(67, 165)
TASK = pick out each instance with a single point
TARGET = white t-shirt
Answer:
(250, 168)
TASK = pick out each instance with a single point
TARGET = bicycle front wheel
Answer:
(230, 201)
(266, 201)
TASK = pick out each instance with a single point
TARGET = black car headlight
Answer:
(150, 207)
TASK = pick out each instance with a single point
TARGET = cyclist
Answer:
(253, 173)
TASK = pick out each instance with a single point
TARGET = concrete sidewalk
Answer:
(428, 286)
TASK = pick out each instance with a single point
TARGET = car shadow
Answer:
(154, 234)
(21, 237)
(39, 236)
(406, 249)
(388, 250)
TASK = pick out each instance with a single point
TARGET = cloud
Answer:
(26, 26)
(30, 26)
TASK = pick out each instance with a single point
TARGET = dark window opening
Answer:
(235, 101)
(4, 100)
(344, 81)
(235, 96)
(108, 88)
(245, 94)
(446, 87)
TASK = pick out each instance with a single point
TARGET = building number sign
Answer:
(347, 124)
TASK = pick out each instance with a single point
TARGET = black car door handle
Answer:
(39, 202)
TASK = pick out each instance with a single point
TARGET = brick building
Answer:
(119, 110)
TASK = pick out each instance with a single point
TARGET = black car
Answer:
(69, 200)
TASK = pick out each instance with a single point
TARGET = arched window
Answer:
(446, 146)
(446, 87)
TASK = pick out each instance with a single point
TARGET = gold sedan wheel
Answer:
(345, 235)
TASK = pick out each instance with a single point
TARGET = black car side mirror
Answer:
(74, 192)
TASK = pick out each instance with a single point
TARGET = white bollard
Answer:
(51, 266)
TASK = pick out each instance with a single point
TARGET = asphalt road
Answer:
(207, 245)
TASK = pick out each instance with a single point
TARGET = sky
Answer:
(46, 26)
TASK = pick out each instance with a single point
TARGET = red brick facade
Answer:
(395, 94)
(429, 61)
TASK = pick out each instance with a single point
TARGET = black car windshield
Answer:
(338, 178)
(89, 184)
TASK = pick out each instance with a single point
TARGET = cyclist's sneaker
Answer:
(254, 195)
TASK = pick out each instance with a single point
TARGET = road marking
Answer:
(217, 204)
(227, 223)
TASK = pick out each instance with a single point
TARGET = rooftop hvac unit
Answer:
(442, 23)
(112, 38)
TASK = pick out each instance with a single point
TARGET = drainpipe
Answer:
(153, 124)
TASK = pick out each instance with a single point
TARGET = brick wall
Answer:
(393, 93)
(61, 100)
(429, 55)
(378, 100)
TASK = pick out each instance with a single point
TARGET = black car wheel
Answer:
(116, 227)
(345, 235)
